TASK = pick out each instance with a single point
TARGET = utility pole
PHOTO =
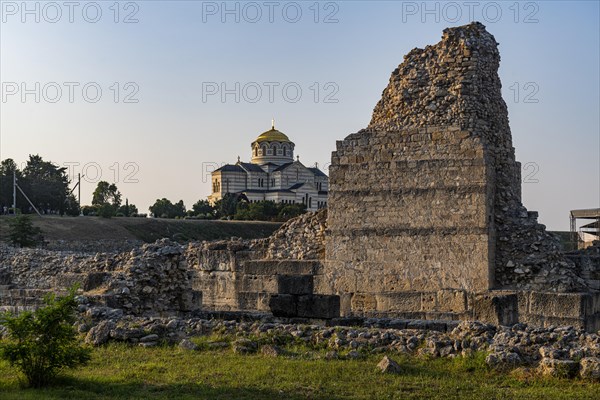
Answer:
(79, 192)
(15, 192)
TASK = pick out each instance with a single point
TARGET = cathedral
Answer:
(272, 174)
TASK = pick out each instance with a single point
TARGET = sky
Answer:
(153, 95)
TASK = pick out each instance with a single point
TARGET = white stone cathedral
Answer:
(272, 174)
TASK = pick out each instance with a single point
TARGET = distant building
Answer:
(272, 174)
(588, 233)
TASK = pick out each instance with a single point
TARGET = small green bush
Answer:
(106, 211)
(44, 342)
(23, 233)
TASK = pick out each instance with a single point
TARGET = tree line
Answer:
(231, 206)
(46, 185)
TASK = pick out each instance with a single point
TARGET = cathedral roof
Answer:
(230, 168)
(251, 167)
(282, 167)
(272, 135)
(317, 171)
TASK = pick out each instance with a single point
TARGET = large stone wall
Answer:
(428, 196)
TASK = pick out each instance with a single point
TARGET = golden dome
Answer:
(272, 135)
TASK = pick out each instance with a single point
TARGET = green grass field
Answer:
(125, 372)
(145, 229)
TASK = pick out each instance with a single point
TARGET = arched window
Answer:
(284, 150)
(264, 150)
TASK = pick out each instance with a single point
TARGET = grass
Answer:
(149, 230)
(118, 371)
(145, 229)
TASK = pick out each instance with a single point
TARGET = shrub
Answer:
(23, 233)
(106, 211)
(44, 342)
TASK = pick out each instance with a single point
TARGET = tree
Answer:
(288, 211)
(106, 193)
(226, 206)
(202, 207)
(72, 207)
(23, 233)
(127, 209)
(179, 209)
(7, 167)
(44, 342)
(163, 208)
(46, 184)
(108, 199)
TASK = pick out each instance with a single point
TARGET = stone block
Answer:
(319, 306)
(361, 302)
(498, 309)
(429, 301)
(283, 267)
(345, 304)
(569, 305)
(295, 284)
(450, 300)
(253, 301)
(283, 305)
(399, 302)
(257, 283)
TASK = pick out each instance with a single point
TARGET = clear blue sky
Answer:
(179, 53)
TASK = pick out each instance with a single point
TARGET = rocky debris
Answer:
(272, 350)
(244, 346)
(555, 351)
(590, 368)
(587, 262)
(503, 360)
(558, 368)
(387, 365)
(42, 269)
(100, 333)
(215, 255)
(301, 238)
(152, 280)
(531, 258)
(187, 344)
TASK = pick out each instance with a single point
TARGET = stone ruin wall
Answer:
(409, 212)
(428, 196)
